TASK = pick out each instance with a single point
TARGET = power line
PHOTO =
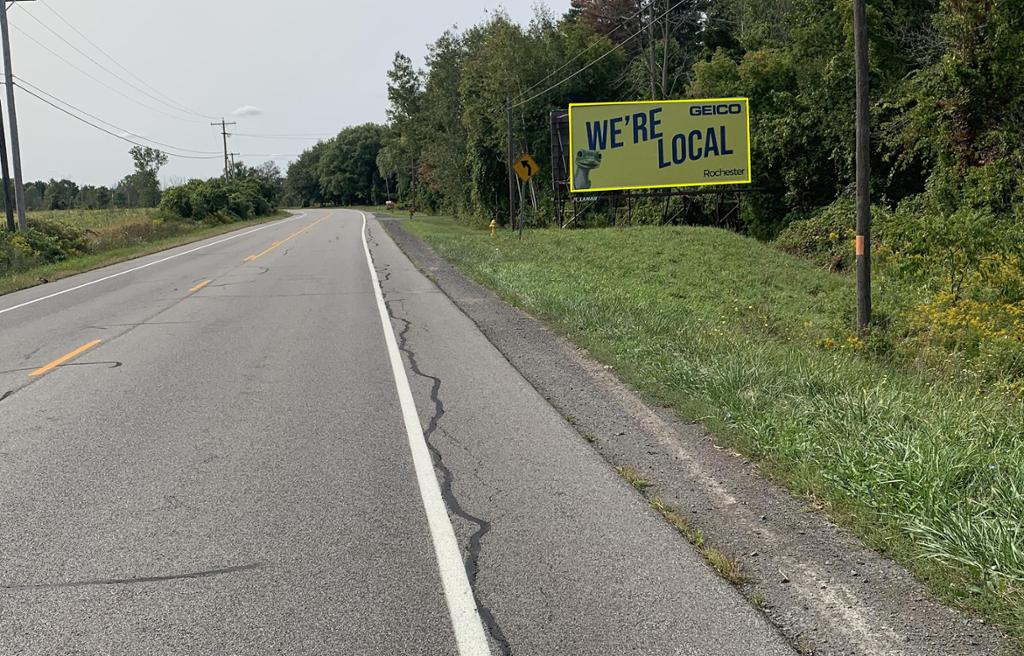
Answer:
(170, 100)
(102, 129)
(294, 137)
(596, 60)
(101, 82)
(23, 81)
(57, 34)
(582, 52)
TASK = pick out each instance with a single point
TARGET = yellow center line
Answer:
(199, 286)
(61, 360)
(277, 244)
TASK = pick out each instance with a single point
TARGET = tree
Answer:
(145, 183)
(302, 186)
(348, 168)
(60, 195)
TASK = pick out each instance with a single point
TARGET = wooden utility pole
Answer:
(224, 131)
(863, 244)
(8, 197)
(19, 187)
(511, 173)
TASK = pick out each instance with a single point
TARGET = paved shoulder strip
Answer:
(466, 623)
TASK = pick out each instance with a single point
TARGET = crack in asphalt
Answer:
(472, 561)
(113, 364)
(135, 580)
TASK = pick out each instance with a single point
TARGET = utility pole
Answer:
(511, 173)
(224, 131)
(8, 197)
(863, 247)
(19, 187)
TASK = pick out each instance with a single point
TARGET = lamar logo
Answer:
(716, 110)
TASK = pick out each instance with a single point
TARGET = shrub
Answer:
(178, 201)
(12, 257)
(199, 200)
(240, 205)
(827, 237)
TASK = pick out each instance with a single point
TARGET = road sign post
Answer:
(525, 168)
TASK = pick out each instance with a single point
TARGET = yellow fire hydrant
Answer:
(494, 227)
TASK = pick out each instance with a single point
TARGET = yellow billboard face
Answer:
(669, 143)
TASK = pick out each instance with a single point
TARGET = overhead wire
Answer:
(110, 57)
(105, 130)
(615, 47)
(172, 105)
(292, 137)
(23, 81)
(101, 82)
(561, 68)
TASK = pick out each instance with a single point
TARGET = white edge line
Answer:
(466, 623)
(147, 265)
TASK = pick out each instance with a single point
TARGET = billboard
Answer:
(665, 143)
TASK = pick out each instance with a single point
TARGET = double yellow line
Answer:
(278, 244)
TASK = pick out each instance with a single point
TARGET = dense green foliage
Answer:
(249, 193)
(755, 344)
(946, 84)
(341, 171)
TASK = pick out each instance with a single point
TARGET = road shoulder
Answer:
(825, 590)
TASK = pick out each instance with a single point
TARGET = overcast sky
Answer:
(299, 66)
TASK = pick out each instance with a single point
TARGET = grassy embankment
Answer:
(112, 236)
(735, 334)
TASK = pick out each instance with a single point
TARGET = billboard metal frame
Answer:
(728, 201)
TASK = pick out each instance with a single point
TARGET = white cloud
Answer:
(247, 110)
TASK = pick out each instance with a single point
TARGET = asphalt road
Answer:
(227, 449)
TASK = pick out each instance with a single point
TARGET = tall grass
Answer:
(94, 219)
(733, 333)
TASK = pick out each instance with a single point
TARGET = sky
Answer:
(276, 67)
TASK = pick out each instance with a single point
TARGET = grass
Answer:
(739, 336)
(727, 566)
(116, 236)
(95, 219)
(634, 478)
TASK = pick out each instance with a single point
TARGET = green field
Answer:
(750, 341)
(95, 219)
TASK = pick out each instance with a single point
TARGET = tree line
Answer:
(140, 188)
(946, 84)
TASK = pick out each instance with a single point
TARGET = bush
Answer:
(12, 257)
(240, 205)
(827, 238)
(178, 201)
(199, 200)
